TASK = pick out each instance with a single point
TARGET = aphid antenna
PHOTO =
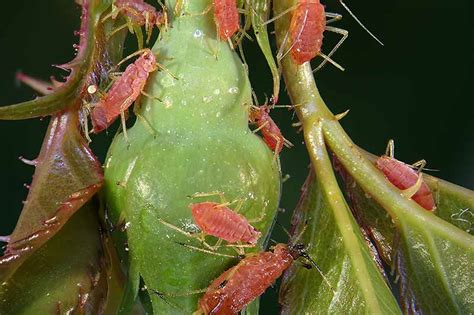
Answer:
(305, 255)
(138, 52)
(360, 23)
(162, 296)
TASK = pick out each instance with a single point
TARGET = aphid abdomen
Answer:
(403, 177)
(223, 223)
(241, 284)
(306, 30)
(123, 92)
(226, 17)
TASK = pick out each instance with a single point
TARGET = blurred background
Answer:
(417, 89)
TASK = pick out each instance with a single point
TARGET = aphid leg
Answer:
(178, 7)
(259, 218)
(85, 111)
(261, 127)
(124, 127)
(199, 236)
(280, 15)
(210, 252)
(327, 58)
(210, 194)
(147, 124)
(390, 150)
(360, 23)
(333, 17)
(151, 96)
(420, 165)
(409, 192)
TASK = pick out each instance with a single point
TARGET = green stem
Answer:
(313, 112)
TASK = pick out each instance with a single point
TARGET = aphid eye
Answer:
(223, 284)
(307, 266)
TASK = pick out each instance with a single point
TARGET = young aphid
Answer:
(123, 92)
(260, 115)
(224, 223)
(139, 13)
(226, 17)
(308, 24)
(241, 284)
(404, 177)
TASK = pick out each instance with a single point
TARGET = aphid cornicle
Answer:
(224, 223)
(308, 23)
(226, 17)
(241, 284)
(123, 92)
(403, 177)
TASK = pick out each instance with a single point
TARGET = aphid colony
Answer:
(251, 276)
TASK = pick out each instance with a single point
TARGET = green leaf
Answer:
(429, 262)
(339, 249)
(260, 12)
(81, 67)
(65, 275)
(67, 175)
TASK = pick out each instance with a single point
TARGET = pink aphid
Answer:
(238, 286)
(403, 177)
(123, 92)
(306, 30)
(270, 131)
(224, 223)
(140, 13)
(226, 17)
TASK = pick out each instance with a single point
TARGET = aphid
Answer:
(224, 223)
(241, 284)
(271, 133)
(226, 18)
(404, 177)
(123, 92)
(308, 24)
(218, 220)
(139, 13)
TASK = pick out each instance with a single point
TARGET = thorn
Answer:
(342, 115)
(28, 162)
(5, 239)
(26, 186)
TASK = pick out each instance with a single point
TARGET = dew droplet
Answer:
(234, 90)
(197, 33)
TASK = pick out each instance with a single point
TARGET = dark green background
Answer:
(418, 89)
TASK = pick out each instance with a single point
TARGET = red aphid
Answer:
(241, 284)
(224, 223)
(123, 92)
(403, 177)
(140, 13)
(306, 30)
(270, 131)
(226, 17)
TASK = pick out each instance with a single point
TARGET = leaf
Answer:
(454, 204)
(66, 275)
(67, 175)
(89, 52)
(335, 243)
(430, 262)
(260, 11)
